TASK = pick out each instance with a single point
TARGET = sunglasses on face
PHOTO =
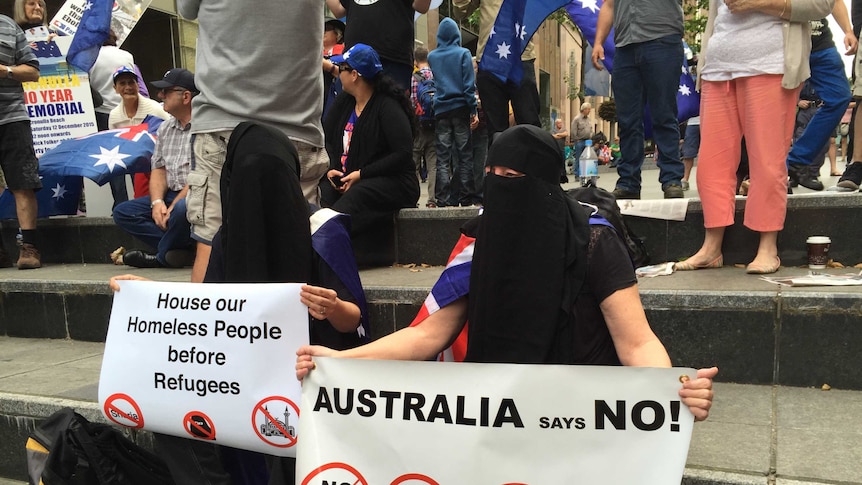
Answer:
(345, 67)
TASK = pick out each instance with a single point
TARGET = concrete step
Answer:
(427, 235)
(755, 331)
(756, 434)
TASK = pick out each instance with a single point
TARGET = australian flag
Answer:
(92, 32)
(59, 196)
(453, 283)
(585, 14)
(515, 24)
(104, 155)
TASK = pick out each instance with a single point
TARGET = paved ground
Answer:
(804, 435)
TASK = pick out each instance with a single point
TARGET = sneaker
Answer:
(621, 194)
(28, 257)
(801, 175)
(673, 191)
(852, 177)
(5, 260)
(685, 185)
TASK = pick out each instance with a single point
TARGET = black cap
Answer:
(177, 77)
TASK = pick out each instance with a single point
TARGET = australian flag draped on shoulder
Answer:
(104, 155)
(515, 24)
(454, 282)
(93, 30)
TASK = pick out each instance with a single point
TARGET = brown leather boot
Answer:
(28, 257)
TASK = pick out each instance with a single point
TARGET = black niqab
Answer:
(265, 231)
(530, 257)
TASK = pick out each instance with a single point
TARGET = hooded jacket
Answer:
(453, 72)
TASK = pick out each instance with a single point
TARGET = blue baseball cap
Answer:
(362, 58)
(124, 70)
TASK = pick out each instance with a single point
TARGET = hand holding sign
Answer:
(697, 393)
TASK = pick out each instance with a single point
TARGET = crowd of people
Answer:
(237, 179)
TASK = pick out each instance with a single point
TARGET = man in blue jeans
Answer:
(647, 65)
(829, 81)
(159, 219)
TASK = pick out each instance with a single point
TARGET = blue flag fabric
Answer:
(59, 196)
(330, 238)
(515, 24)
(104, 155)
(585, 14)
(92, 32)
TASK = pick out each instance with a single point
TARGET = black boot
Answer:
(140, 259)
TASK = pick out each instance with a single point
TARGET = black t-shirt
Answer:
(609, 269)
(821, 35)
(385, 25)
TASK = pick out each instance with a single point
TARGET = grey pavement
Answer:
(755, 434)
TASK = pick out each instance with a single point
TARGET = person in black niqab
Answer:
(544, 287)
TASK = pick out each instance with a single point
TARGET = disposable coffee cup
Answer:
(818, 251)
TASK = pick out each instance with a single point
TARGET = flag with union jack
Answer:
(104, 155)
(453, 283)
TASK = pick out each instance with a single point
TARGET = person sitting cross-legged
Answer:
(159, 219)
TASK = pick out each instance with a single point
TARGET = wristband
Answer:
(157, 201)
(9, 73)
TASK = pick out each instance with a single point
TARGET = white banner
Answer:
(124, 16)
(206, 361)
(394, 422)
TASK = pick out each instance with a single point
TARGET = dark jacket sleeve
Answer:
(856, 16)
(394, 133)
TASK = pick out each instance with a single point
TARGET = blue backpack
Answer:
(425, 91)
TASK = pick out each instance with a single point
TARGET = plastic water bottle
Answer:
(589, 166)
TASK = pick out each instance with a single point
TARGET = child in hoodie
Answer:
(455, 110)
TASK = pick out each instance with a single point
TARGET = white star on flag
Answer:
(684, 70)
(590, 4)
(492, 33)
(88, 6)
(59, 191)
(503, 50)
(684, 90)
(520, 31)
(111, 158)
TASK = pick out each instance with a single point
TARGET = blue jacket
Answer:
(453, 71)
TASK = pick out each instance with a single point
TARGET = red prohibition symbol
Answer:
(360, 480)
(414, 477)
(123, 410)
(269, 427)
(199, 425)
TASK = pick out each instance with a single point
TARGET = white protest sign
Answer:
(124, 16)
(59, 104)
(206, 361)
(395, 422)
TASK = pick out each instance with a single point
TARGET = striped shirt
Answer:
(174, 152)
(14, 51)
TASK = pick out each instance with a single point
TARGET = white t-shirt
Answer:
(744, 44)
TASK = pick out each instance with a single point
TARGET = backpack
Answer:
(66, 449)
(608, 208)
(425, 91)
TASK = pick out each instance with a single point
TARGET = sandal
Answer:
(687, 266)
(760, 269)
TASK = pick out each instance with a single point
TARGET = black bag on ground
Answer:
(608, 208)
(80, 452)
